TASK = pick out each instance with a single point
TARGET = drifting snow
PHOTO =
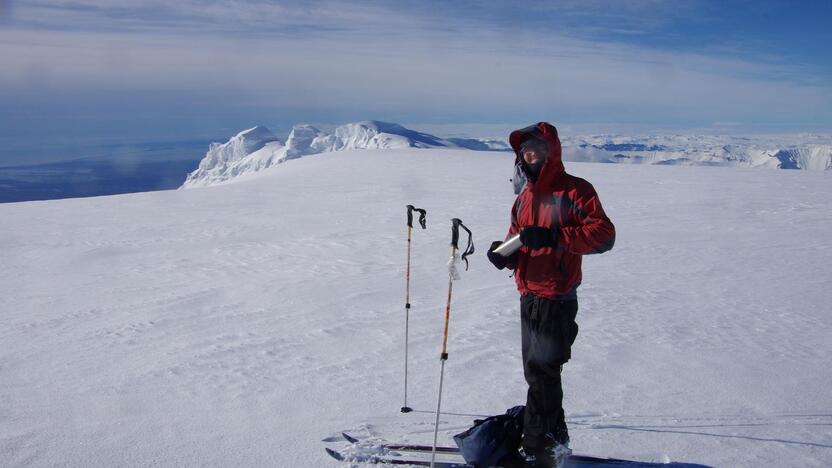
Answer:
(249, 323)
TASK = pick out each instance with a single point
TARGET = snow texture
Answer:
(249, 324)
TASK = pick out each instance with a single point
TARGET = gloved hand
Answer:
(536, 237)
(496, 259)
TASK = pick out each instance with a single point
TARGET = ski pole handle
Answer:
(422, 214)
(456, 223)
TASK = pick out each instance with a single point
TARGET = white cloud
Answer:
(342, 55)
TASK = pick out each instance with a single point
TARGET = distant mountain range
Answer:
(809, 152)
(178, 165)
(258, 148)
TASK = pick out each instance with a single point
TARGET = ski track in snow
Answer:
(244, 324)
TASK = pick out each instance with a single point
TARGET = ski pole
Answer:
(422, 215)
(456, 223)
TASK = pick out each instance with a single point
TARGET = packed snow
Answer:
(248, 324)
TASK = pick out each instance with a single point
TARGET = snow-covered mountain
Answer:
(812, 157)
(257, 148)
(246, 152)
(810, 152)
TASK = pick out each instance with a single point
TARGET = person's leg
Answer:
(548, 330)
(568, 313)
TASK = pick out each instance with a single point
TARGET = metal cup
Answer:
(509, 246)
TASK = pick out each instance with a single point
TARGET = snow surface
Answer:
(249, 324)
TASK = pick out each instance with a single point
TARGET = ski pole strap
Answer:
(422, 214)
(456, 223)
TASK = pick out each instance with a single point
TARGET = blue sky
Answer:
(89, 70)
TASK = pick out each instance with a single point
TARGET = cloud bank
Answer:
(411, 61)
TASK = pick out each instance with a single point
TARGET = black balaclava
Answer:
(532, 171)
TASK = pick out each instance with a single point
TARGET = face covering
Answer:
(533, 169)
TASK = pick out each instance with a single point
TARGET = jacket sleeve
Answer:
(595, 233)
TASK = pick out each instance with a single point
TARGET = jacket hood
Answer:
(553, 166)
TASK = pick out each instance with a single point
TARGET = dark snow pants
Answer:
(548, 331)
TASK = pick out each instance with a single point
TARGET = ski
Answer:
(571, 460)
(404, 447)
(386, 460)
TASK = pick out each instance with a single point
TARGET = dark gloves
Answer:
(496, 259)
(535, 237)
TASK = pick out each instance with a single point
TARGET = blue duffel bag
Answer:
(492, 439)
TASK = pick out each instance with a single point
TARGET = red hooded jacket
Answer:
(562, 202)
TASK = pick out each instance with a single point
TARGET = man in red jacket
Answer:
(559, 218)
